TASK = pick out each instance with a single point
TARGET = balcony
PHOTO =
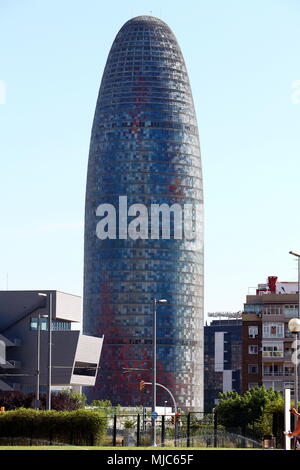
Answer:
(278, 370)
(272, 354)
(288, 334)
(274, 374)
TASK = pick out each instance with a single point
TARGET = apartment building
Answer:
(267, 343)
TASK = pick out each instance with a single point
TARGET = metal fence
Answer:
(194, 429)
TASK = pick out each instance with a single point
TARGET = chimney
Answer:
(272, 284)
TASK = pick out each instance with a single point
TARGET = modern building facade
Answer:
(144, 180)
(222, 360)
(267, 342)
(75, 357)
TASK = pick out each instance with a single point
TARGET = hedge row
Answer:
(64, 400)
(80, 427)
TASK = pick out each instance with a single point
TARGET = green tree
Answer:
(274, 410)
(103, 405)
(248, 411)
(67, 400)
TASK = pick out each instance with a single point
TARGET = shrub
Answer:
(80, 427)
(65, 400)
(13, 400)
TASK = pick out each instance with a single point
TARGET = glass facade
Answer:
(145, 145)
(57, 325)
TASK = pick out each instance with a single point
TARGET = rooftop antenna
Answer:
(226, 315)
(6, 281)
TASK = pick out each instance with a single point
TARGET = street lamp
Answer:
(48, 397)
(294, 327)
(38, 362)
(155, 302)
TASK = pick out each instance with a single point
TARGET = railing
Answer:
(194, 429)
(272, 354)
(275, 374)
(288, 335)
(275, 336)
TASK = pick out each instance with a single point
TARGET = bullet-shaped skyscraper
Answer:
(144, 222)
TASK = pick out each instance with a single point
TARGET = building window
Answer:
(253, 369)
(276, 385)
(268, 384)
(252, 308)
(34, 324)
(252, 385)
(290, 311)
(252, 331)
(272, 350)
(288, 352)
(253, 349)
(273, 330)
(289, 370)
(272, 310)
(289, 384)
(288, 333)
(273, 370)
(85, 368)
(57, 325)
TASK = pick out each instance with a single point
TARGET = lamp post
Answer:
(48, 397)
(294, 327)
(38, 362)
(155, 302)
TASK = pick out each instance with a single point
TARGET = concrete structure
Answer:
(267, 342)
(75, 357)
(145, 148)
(222, 360)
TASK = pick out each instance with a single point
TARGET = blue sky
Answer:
(243, 63)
